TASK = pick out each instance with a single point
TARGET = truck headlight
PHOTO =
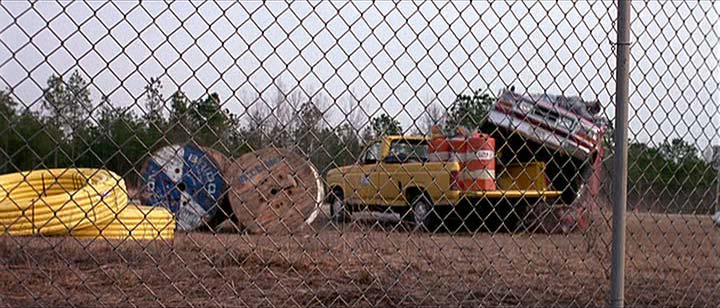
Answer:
(525, 107)
(592, 134)
(566, 123)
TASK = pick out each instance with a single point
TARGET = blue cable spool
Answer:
(187, 180)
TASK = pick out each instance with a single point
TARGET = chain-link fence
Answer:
(354, 153)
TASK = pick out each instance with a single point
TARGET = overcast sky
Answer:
(393, 58)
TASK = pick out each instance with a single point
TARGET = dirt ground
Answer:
(672, 261)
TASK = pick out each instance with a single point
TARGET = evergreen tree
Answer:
(469, 111)
(68, 106)
(212, 124)
(180, 127)
(384, 125)
(154, 102)
(68, 103)
(7, 116)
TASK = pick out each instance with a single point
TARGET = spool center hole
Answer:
(181, 186)
(274, 191)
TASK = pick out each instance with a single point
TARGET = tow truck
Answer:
(394, 174)
(548, 157)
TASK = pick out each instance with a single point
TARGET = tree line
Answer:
(67, 128)
(670, 177)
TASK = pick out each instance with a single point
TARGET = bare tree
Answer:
(256, 127)
(434, 115)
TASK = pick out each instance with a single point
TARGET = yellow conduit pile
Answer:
(88, 202)
(134, 222)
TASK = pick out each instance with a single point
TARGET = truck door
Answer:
(364, 178)
(399, 168)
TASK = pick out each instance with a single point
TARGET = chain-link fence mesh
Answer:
(353, 153)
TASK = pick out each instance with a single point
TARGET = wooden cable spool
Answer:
(273, 191)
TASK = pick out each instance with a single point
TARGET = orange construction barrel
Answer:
(478, 160)
(457, 149)
(438, 149)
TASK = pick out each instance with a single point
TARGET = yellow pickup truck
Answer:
(393, 173)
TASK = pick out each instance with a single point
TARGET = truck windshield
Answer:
(409, 148)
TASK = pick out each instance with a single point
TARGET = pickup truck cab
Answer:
(393, 173)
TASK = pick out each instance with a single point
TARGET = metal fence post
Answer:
(617, 278)
(716, 201)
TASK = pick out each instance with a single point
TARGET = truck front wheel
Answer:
(338, 207)
(569, 176)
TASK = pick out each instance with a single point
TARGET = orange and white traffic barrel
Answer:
(457, 149)
(439, 149)
(478, 159)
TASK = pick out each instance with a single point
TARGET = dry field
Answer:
(672, 261)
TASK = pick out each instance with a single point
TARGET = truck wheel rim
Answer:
(420, 212)
(338, 208)
(580, 192)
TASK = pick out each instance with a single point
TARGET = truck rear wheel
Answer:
(424, 215)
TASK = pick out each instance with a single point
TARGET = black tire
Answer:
(535, 217)
(339, 210)
(424, 214)
(512, 217)
(546, 217)
(568, 175)
(493, 218)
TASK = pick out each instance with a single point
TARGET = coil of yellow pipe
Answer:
(134, 222)
(84, 202)
(53, 201)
